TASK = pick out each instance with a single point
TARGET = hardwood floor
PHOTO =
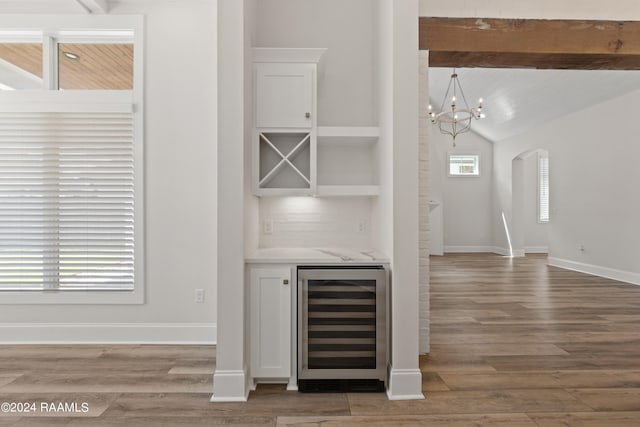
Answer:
(514, 343)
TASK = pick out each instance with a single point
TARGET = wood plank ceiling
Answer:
(98, 66)
(531, 43)
(27, 56)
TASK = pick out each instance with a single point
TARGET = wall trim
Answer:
(461, 249)
(500, 251)
(518, 253)
(230, 386)
(484, 249)
(536, 249)
(596, 270)
(108, 333)
(495, 250)
(405, 384)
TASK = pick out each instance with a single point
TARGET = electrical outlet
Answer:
(199, 296)
(362, 225)
(267, 226)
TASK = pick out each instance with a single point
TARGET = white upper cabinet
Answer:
(285, 95)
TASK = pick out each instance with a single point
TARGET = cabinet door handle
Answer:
(307, 115)
(285, 282)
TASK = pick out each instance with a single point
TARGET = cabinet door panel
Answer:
(284, 96)
(270, 322)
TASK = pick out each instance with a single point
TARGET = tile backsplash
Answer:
(315, 222)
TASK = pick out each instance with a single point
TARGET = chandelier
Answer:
(457, 119)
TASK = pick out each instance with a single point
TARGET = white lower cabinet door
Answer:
(270, 292)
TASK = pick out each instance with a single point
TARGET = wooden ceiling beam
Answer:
(534, 60)
(531, 43)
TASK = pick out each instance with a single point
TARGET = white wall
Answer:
(594, 197)
(180, 183)
(251, 202)
(466, 201)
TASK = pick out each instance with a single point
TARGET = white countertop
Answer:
(317, 256)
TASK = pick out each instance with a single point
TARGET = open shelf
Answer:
(284, 162)
(351, 170)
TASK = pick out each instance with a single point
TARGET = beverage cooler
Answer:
(342, 328)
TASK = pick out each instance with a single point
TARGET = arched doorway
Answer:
(530, 202)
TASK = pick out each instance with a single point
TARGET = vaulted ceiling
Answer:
(516, 100)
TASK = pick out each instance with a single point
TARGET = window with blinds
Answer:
(66, 201)
(71, 161)
(464, 164)
(543, 189)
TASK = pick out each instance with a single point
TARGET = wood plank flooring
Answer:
(514, 343)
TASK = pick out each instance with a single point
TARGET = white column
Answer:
(230, 377)
(405, 379)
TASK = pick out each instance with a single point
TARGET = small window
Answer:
(464, 165)
(96, 66)
(543, 189)
(20, 66)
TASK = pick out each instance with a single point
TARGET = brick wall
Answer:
(424, 201)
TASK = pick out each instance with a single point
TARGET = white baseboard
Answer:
(462, 249)
(484, 249)
(230, 386)
(518, 252)
(536, 249)
(494, 249)
(108, 333)
(405, 384)
(596, 270)
(500, 251)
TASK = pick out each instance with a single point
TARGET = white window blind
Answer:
(66, 201)
(543, 189)
(464, 164)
